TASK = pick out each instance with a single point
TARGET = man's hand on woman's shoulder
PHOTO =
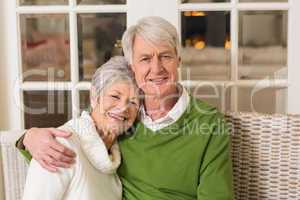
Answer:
(51, 155)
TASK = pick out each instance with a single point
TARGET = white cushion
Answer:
(14, 166)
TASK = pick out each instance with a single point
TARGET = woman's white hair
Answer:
(116, 69)
(154, 30)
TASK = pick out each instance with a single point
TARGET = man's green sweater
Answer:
(187, 160)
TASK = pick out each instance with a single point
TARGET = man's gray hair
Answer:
(154, 30)
(116, 69)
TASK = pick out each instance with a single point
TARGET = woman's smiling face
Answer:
(117, 108)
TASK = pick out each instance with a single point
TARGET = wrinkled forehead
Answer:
(122, 86)
(141, 43)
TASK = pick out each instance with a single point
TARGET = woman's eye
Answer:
(115, 96)
(133, 103)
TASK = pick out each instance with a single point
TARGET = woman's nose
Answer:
(123, 106)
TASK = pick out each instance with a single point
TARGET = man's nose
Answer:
(156, 65)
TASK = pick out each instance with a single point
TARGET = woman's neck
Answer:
(106, 137)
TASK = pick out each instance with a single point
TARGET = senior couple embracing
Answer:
(145, 137)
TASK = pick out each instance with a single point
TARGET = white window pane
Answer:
(267, 100)
(47, 108)
(45, 47)
(263, 1)
(101, 1)
(43, 2)
(84, 96)
(213, 95)
(205, 45)
(263, 44)
(99, 38)
(204, 1)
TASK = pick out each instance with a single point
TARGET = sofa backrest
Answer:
(13, 166)
(266, 156)
(265, 151)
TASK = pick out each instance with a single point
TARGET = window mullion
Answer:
(234, 26)
(293, 58)
(74, 66)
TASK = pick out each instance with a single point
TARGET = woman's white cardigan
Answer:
(92, 177)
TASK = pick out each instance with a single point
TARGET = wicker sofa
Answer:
(265, 153)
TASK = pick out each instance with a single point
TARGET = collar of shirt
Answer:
(92, 144)
(172, 116)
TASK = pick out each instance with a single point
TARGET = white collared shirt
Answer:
(172, 116)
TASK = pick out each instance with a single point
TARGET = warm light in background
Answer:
(198, 14)
(187, 13)
(227, 44)
(199, 45)
(194, 14)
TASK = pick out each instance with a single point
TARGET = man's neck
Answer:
(157, 107)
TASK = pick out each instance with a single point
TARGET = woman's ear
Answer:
(93, 97)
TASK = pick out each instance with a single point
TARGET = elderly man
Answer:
(179, 148)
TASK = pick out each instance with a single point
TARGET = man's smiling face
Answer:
(155, 67)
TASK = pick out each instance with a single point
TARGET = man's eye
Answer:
(145, 59)
(167, 56)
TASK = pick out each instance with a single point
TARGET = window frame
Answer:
(135, 9)
(234, 7)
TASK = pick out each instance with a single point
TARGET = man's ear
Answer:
(132, 67)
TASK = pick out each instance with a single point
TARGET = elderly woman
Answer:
(114, 103)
